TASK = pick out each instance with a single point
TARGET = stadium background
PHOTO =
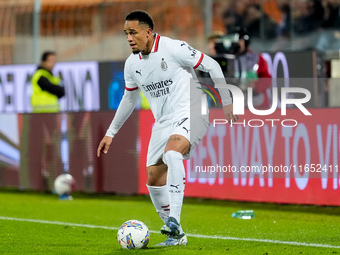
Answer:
(87, 35)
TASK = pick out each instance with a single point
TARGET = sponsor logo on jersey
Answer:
(158, 89)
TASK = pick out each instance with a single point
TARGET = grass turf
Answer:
(291, 223)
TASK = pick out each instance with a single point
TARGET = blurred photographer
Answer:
(244, 66)
(212, 38)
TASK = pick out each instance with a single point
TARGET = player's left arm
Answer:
(190, 57)
(209, 65)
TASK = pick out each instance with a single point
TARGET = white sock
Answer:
(160, 198)
(175, 183)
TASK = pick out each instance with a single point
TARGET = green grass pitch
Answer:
(34, 223)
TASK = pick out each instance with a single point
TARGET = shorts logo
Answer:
(186, 129)
(181, 122)
(164, 65)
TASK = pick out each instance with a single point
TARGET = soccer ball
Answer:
(64, 184)
(133, 234)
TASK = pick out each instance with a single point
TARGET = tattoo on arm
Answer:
(150, 173)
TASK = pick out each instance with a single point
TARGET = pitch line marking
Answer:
(189, 235)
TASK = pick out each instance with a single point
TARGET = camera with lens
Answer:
(228, 44)
(228, 48)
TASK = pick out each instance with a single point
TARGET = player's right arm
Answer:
(125, 108)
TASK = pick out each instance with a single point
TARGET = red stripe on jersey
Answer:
(199, 61)
(140, 56)
(131, 89)
(156, 43)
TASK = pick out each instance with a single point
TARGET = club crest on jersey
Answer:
(164, 65)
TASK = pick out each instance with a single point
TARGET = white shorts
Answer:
(160, 136)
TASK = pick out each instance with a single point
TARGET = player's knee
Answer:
(151, 181)
(156, 176)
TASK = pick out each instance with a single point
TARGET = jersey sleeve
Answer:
(130, 84)
(186, 55)
(123, 112)
(210, 65)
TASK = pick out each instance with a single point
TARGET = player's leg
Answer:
(157, 171)
(176, 147)
(156, 183)
(159, 194)
(173, 156)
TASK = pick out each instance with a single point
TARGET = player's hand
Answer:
(104, 145)
(228, 113)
